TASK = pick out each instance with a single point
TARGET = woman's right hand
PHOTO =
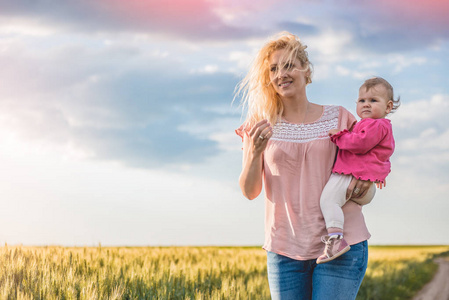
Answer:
(254, 144)
(259, 136)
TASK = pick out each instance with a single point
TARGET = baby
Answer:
(364, 153)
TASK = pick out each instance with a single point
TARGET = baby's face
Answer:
(373, 103)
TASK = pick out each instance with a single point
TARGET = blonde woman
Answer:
(287, 150)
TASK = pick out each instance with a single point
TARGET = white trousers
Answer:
(333, 198)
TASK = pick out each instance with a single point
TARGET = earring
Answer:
(308, 80)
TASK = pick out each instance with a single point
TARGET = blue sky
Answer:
(117, 123)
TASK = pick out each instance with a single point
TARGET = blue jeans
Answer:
(304, 279)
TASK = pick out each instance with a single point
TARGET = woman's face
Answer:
(288, 79)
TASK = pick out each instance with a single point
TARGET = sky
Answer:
(117, 117)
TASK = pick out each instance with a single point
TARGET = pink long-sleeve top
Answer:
(298, 162)
(365, 151)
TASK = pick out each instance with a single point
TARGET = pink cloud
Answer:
(190, 13)
(428, 13)
(400, 25)
(182, 18)
(197, 19)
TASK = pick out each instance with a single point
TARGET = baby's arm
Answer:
(367, 136)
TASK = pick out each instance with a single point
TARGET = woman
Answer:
(286, 149)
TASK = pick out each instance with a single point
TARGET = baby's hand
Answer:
(333, 131)
(379, 184)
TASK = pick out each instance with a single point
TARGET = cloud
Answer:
(366, 68)
(425, 112)
(298, 28)
(241, 59)
(330, 43)
(112, 91)
(422, 137)
(110, 101)
(207, 69)
(429, 140)
(431, 14)
(185, 19)
(393, 26)
(376, 27)
(401, 62)
(340, 70)
(382, 27)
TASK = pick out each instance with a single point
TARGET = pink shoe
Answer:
(335, 246)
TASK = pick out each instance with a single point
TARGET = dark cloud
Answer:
(393, 26)
(152, 110)
(382, 26)
(156, 144)
(149, 93)
(183, 19)
(298, 28)
(119, 111)
(377, 26)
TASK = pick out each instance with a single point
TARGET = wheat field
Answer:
(186, 272)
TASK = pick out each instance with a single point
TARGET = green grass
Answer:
(185, 272)
(399, 272)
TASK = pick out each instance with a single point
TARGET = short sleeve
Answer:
(346, 120)
(243, 129)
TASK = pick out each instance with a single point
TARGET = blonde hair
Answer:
(372, 82)
(258, 95)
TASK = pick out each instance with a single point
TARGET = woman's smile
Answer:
(285, 84)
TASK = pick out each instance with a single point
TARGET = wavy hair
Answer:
(259, 98)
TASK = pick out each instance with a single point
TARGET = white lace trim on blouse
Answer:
(303, 133)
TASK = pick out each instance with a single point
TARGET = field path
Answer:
(438, 288)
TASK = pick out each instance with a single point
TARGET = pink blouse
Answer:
(365, 151)
(298, 162)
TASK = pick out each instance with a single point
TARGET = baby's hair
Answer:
(370, 83)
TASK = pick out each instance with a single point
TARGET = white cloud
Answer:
(429, 139)
(242, 59)
(207, 69)
(422, 139)
(26, 27)
(160, 54)
(402, 62)
(331, 45)
(335, 53)
(415, 114)
(340, 70)
(230, 13)
(220, 130)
